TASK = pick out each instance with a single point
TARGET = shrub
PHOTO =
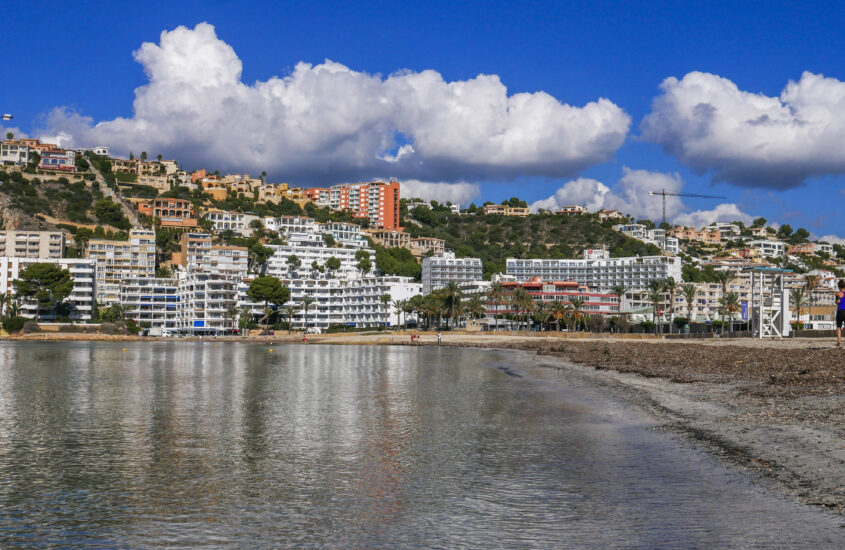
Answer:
(30, 326)
(13, 324)
(107, 328)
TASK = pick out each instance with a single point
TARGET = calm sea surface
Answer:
(186, 444)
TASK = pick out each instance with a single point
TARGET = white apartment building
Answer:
(438, 271)
(32, 244)
(290, 224)
(768, 248)
(277, 264)
(823, 247)
(81, 298)
(346, 234)
(633, 230)
(153, 301)
(633, 272)
(15, 152)
(117, 260)
(351, 302)
(206, 302)
(238, 222)
(724, 228)
(414, 202)
(655, 236)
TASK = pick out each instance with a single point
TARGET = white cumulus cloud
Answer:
(326, 123)
(631, 196)
(461, 193)
(752, 139)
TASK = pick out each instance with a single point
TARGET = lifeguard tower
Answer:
(770, 313)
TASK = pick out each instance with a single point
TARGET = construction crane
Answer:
(665, 194)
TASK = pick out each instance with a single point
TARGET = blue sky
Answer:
(577, 52)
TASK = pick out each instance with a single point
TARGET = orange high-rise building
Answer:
(377, 201)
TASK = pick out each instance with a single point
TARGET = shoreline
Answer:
(775, 408)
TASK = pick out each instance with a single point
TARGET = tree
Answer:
(306, 302)
(576, 309)
(730, 304)
(263, 176)
(294, 262)
(399, 307)
(759, 222)
(689, 291)
(46, 283)
(620, 291)
(452, 299)
(475, 307)
(496, 296)
(798, 297)
(522, 301)
(10, 135)
(557, 310)
(290, 311)
(332, 264)
(724, 278)
(269, 290)
(164, 272)
(784, 231)
(257, 257)
(363, 258)
(143, 155)
(671, 286)
(385, 302)
(232, 311)
(159, 157)
(655, 296)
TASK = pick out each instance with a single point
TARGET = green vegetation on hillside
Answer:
(496, 238)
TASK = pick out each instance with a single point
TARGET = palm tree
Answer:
(290, 311)
(232, 311)
(556, 311)
(452, 299)
(812, 282)
(723, 278)
(496, 296)
(522, 301)
(799, 298)
(620, 291)
(306, 302)
(475, 308)
(730, 305)
(689, 291)
(576, 309)
(655, 296)
(399, 308)
(671, 286)
(385, 301)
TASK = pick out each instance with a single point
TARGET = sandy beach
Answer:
(774, 407)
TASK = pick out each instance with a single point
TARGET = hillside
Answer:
(40, 201)
(496, 238)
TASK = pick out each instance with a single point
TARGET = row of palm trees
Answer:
(449, 305)
(658, 289)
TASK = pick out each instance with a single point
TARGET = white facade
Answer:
(633, 272)
(768, 248)
(151, 300)
(290, 224)
(347, 234)
(32, 244)
(117, 260)
(352, 302)
(438, 271)
(205, 301)
(633, 230)
(277, 264)
(81, 270)
(14, 152)
(238, 222)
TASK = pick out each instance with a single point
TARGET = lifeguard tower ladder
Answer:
(769, 302)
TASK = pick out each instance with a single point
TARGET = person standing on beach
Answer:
(439, 336)
(840, 311)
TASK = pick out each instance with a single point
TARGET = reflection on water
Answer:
(231, 445)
